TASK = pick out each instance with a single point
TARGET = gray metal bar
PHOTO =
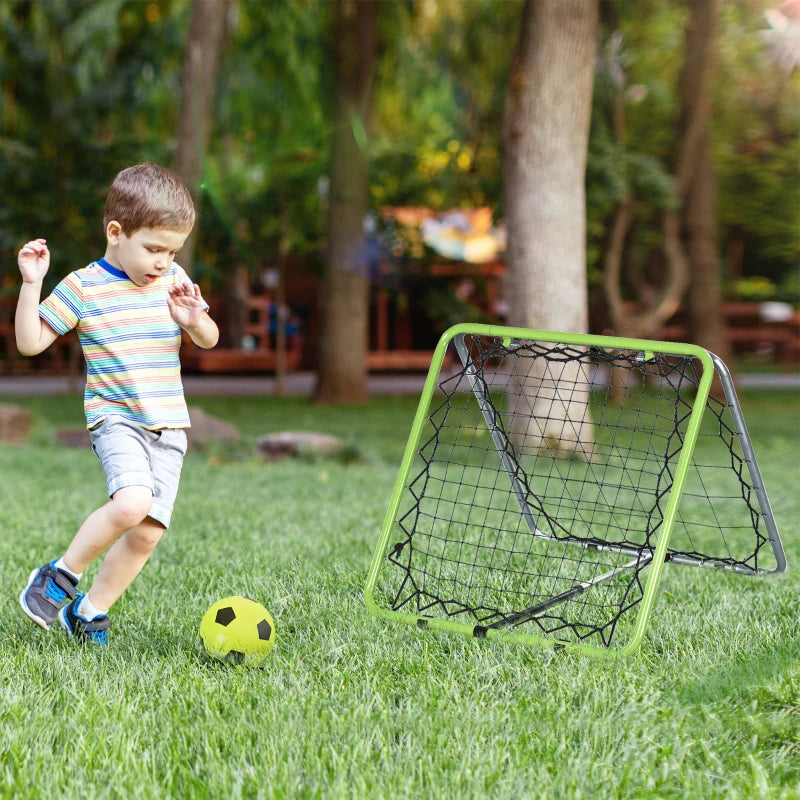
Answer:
(752, 464)
(528, 614)
(511, 468)
(487, 409)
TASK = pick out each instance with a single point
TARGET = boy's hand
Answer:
(185, 305)
(34, 261)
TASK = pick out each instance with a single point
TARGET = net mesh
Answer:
(537, 493)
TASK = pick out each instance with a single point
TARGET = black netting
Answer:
(537, 494)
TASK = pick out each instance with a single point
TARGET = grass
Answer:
(348, 705)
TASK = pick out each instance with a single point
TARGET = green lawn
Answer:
(348, 705)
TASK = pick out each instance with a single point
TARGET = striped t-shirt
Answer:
(129, 340)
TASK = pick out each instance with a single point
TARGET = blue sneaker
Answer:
(87, 630)
(47, 589)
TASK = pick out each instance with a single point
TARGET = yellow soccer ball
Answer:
(238, 630)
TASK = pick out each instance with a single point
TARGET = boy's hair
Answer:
(149, 196)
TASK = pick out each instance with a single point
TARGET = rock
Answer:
(206, 429)
(15, 424)
(276, 446)
(73, 437)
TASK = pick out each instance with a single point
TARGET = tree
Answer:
(267, 152)
(86, 90)
(546, 132)
(696, 184)
(689, 220)
(205, 43)
(438, 114)
(646, 191)
(342, 374)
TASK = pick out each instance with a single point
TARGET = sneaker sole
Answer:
(34, 617)
(62, 618)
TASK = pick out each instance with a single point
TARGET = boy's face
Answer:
(146, 255)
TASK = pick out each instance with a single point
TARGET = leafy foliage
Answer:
(270, 148)
(439, 113)
(88, 88)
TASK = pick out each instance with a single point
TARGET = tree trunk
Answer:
(642, 323)
(281, 317)
(342, 376)
(546, 132)
(206, 41)
(690, 239)
(235, 294)
(696, 182)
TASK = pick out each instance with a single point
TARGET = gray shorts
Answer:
(134, 456)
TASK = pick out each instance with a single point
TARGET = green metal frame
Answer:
(656, 565)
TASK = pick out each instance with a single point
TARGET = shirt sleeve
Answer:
(63, 309)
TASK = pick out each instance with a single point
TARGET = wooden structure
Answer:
(391, 328)
(63, 357)
(261, 357)
(391, 345)
(747, 331)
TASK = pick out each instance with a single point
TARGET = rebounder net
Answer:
(537, 494)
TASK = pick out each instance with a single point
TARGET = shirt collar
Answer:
(111, 268)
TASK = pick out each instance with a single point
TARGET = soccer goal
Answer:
(548, 478)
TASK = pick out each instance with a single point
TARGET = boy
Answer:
(128, 308)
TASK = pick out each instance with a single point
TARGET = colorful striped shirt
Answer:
(129, 340)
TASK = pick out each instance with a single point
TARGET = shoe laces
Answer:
(54, 591)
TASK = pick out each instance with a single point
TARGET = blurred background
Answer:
(348, 163)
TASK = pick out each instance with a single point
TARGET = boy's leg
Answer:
(163, 453)
(123, 562)
(127, 508)
(48, 587)
(86, 617)
(130, 553)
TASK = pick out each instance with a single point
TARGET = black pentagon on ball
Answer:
(264, 630)
(225, 616)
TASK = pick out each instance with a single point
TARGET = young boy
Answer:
(128, 308)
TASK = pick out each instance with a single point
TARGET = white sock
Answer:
(62, 566)
(88, 611)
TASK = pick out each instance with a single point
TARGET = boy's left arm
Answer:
(188, 310)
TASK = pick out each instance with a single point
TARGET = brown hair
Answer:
(149, 196)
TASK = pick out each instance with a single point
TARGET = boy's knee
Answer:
(145, 537)
(130, 505)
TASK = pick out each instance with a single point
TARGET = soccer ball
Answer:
(238, 630)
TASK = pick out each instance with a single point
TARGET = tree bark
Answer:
(696, 182)
(205, 44)
(546, 133)
(342, 376)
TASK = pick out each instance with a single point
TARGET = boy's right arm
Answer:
(33, 334)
